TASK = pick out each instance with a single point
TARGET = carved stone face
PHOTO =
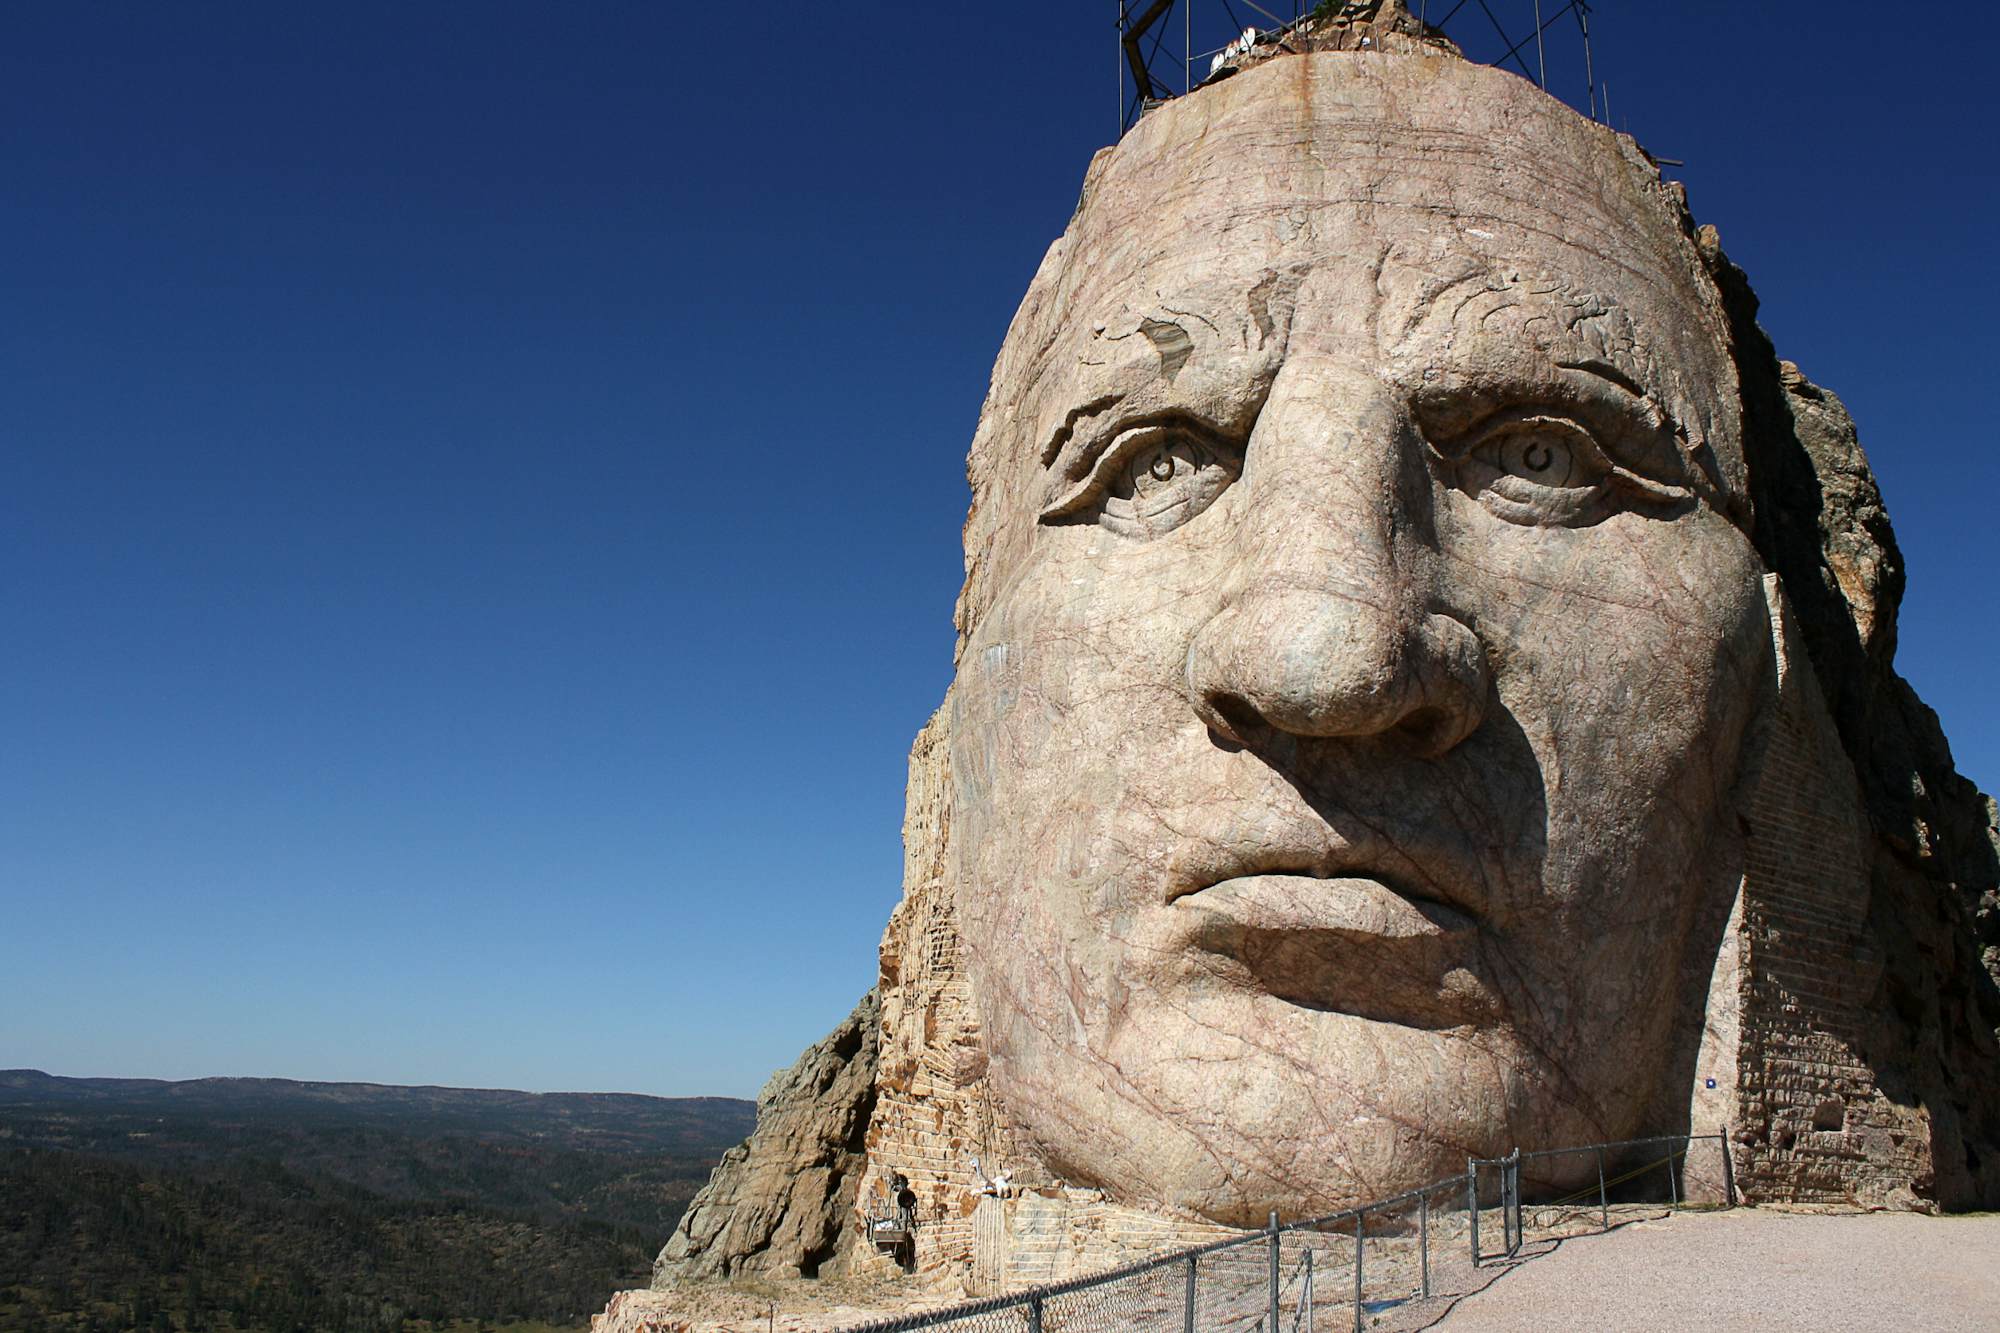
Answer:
(1359, 645)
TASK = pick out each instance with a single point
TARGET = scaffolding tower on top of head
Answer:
(1215, 36)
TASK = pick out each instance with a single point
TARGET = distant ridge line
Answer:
(30, 1079)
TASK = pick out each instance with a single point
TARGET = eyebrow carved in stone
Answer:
(1063, 433)
(1574, 328)
(1605, 370)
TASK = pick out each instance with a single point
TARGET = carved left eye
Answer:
(1542, 466)
(1538, 470)
(1544, 450)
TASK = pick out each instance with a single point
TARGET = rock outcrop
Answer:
(779, 1203)
(1425, 686)
(1829, 863)
(1932, 853)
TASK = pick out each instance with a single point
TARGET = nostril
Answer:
(1423, 727)
(1290, 664)
(1430, 732)
(1237, 714)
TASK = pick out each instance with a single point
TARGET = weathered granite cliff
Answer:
(779, 1203)
(1929, 1027)
(1425, 686)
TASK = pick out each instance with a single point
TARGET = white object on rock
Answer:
(1235, 48)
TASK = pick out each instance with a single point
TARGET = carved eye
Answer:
(1156, 475)
(1166, 482)
(1544, 451)
(1542, 465)
(1538, 470)
(1151, 479)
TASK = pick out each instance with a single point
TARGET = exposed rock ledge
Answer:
(764, 1305)
(777, 1205)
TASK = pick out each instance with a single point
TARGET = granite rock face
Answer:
(779, 1203)
(1930, 1028)
(1364, 644)
(1424, 687)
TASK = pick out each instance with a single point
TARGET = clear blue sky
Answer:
(480, 483)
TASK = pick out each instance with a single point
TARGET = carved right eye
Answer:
(1548, 469)
(1547, 453)
(1151, 479)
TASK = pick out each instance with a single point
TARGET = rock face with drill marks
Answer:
(1425, 687)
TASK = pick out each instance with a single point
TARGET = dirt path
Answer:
(1753, 1269)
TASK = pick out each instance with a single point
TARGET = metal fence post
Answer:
(1275, 1241)
(1472, 1203)
(1603, 1199)
(1360, 1240)
(1424, 1239)
(1514, 1195)
(1032, 1305)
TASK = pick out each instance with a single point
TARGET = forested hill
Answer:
(600, 1121)
(266, 1203)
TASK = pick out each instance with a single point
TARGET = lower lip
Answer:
(1346, 946)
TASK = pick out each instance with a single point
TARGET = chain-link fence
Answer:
(1385, 1265)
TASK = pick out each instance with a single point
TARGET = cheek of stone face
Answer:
(1072, 721)
(1628, 656)
(1624, 651)
(1081, 749)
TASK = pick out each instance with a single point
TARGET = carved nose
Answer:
(1313, 663)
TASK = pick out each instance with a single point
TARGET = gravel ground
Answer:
(1752, 1268)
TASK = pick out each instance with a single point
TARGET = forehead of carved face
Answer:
(1359, 639)
(1457, 226)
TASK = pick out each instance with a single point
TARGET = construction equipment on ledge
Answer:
(1225, 36)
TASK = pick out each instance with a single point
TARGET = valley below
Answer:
(268, 1204)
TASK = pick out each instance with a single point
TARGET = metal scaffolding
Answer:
(1157, 63)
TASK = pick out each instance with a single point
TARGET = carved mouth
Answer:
(1450, 901)
(1347, 944)
(1362, 904)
